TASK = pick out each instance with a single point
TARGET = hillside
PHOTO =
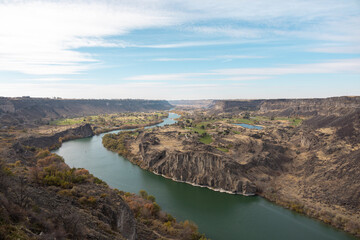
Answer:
(289, 107)
(18, 111)
(191, 103)
(305, 157)
(41, 197)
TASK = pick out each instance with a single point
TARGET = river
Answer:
(218, 215)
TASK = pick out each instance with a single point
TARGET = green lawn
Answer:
(199, 130)
(207, 139)
(296, 122)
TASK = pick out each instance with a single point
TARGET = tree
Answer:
(247, 115)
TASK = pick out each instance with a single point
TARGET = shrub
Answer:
(151, 198)
(65, 192)
(156, 208)
(99, 181)
(88, 200)
(62, 178)
(43, 153)
(143, 194)
(116, 143)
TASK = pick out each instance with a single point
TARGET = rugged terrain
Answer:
(289, 107)
(38, 111)
(188, 104)
(312, 168)
(43, 198)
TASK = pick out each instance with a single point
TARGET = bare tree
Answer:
(21, 192)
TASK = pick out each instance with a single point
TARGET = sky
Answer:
(180, 49)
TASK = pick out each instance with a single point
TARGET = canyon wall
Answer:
(15, 111)
(290, 107)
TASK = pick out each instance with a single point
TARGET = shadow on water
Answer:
(219, 215)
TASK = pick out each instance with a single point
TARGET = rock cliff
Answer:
(290, 107)
(55, 140)
(197, 166)
(312, 168)
(183, 158)
(14, 111)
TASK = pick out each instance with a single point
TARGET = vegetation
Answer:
(116, 142)
(223, 149)
(25, 212)
(149, 213)
(116, 119)
(51, 170)
(205, 138)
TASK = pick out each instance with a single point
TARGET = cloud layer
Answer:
(44, 37)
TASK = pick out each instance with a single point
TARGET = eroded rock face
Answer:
(41, 110)
(53, 141)
(110, 217)
(201, 164)
(290, 107)
(205, 169)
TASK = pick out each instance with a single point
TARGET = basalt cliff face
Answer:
(183, 158)
(54, 140)
(15, 111)
(312, 171)
(41, 197)
(290, 107)
(312, 168)
(196, 165)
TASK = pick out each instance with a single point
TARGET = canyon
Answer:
(311, 168)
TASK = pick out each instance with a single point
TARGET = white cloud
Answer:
(42, 37)
(244, 33)
(336, 48)
(180, 59)
(186, 44)
(168, 91)
(335, 66)
(351, 66)
(150, 90)
(226, 57)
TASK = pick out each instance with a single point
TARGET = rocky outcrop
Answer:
(191, 103)
(291, 107)
(308, 170)
(200, 168)
(236, 105)
(54, 141)
(204, 165)
(14, 111)
(112, 212)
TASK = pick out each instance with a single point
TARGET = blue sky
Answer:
(189, 49)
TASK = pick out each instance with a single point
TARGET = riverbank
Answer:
(42, 197)
(202, 186)
(176, 154)
(98, 131)
(219, 215)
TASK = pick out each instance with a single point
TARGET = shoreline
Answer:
(286, 206)
(197, 185)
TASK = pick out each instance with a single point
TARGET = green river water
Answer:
(218, 215)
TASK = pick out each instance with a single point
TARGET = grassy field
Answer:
(201, 128)
(206, 139)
